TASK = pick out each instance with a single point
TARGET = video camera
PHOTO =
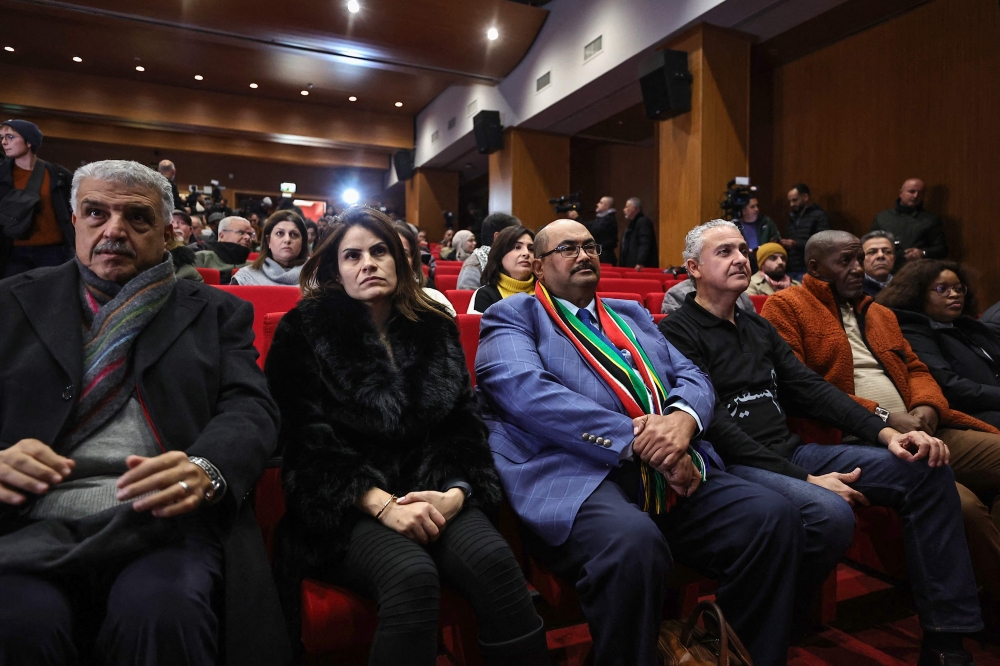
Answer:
(738, 194)
(566, 203)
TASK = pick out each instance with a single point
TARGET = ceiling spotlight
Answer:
(253, 85)
(140, 68)
(350, 196)
(492, 34)
(353, 6)
(399, 104)
(352, 98)
(9, 48)
(198, 77)
(77, 59)
(304, 92)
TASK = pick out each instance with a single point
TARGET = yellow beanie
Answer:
(767, 249)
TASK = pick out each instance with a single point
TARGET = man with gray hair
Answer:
(880, 257)
(639, 239)
(126, 451)
(231, 251)
(693, 242)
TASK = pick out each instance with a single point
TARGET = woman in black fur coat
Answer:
(386, 464)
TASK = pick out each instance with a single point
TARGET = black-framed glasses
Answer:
(944, 289)
(572, 250)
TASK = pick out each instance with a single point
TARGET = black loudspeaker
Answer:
(489, 133)
(666, 84)
(403, 162)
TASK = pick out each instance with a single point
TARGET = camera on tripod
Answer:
(738, 194)
(566, 203)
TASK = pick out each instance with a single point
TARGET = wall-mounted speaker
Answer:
(403, 163)
(489, 133)
(666, 84)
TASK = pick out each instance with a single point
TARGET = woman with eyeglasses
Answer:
(936, 307)
(508, 270)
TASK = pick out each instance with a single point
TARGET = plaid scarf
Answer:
(113, 317)
(639, 389)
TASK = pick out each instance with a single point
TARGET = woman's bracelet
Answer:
(392, 498)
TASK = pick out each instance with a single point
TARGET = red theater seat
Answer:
(629, 285)
(426, 269)
(460, 299)
(448, 268)
(252, 257)
(621, 295)
(758, 302)
(264, 300)
(445, 281)
(670, 284)
(210, 275)
(657, 318)
(468, 334)
(654, 301)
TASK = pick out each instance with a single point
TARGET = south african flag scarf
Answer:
(639, 389)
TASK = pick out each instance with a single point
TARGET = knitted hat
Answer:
(29, 132)
(767, 249)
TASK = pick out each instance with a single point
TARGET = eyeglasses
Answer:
(945, 289)
(8, 137)
(251, 234)
(572, 251)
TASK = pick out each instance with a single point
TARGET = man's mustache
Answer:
(114, 247)
(582, 267)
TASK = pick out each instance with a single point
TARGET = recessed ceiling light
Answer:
(9, 48)
(77, 59)
(352, 98)
(492, 34)
(198, 77)
(353, 6)
(253, 85)
(399, 104)
(304, 92)
(140, 68)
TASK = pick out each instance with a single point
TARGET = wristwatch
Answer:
(882, 414)
(218, 487)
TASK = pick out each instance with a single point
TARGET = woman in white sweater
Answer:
(283, 250)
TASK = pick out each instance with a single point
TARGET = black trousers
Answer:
(154, 610)
(747, 537)
(405, 579)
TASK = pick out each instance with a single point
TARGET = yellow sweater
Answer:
(508, 286)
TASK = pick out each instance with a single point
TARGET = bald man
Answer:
(604, 226)
(169, 171)
(919, 232)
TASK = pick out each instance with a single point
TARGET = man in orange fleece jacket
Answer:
(857, 345)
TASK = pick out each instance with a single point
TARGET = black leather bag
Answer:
(17, 209)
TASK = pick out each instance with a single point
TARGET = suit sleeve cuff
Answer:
(683, 406)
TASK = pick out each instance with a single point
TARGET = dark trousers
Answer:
(928, 504)
(154, 610)
(405, 579)
(23, 259)
(747, 537)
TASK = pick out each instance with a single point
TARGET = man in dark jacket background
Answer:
(804, 220)
(639, 240)
(919, 232)
(50, 241)
(604, 229)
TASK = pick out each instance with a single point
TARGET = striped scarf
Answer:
(639, 389)
(113, 317)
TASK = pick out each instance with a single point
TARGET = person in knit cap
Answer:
(134, 422)
(48, 240)
(771, 278)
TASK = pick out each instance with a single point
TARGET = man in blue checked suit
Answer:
(594, 423)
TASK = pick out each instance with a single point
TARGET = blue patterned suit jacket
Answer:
(542, 402)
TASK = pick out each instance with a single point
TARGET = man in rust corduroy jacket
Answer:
(857, 345)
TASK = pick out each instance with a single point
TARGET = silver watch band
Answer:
(218, 488)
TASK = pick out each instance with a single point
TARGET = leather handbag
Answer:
(684, 643)
(17, 209)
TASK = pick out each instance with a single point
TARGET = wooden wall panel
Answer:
(918, 95)
(600, 168)
(532, 168)
(428, 194)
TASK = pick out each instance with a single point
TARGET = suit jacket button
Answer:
(607, 443)
(67, 393)
(592, 438)
(586, 436)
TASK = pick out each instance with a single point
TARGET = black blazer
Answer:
(604, 229)
(964, 360)
(638, 246)
(196, 375)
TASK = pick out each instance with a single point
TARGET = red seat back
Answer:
(621, 295)
(271, 320)
(426, 269)
(252, 257)
(629, 285)
(210, 275)
(657, 318)
(758, 302)
(670, 284)
(445, 281)
(448, 268)
(654, 301)
(460, 299)
(468, 334)
(264, 300)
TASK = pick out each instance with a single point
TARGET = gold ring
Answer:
(185, 486)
